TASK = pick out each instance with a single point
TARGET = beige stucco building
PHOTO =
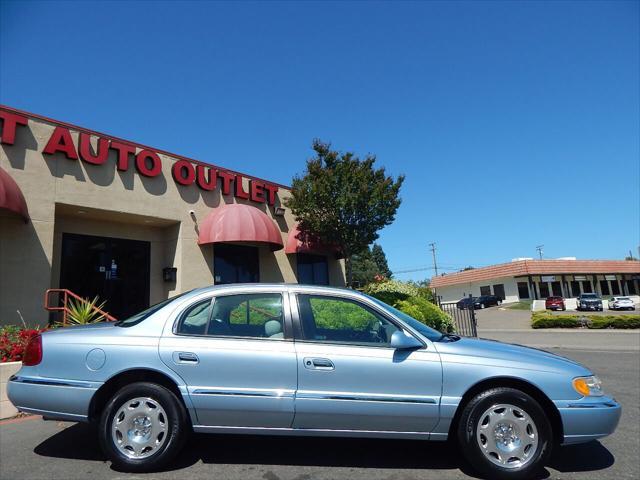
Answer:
(133, 224)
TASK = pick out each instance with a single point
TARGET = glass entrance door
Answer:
(114, 269)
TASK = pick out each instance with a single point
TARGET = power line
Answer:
(539, 248)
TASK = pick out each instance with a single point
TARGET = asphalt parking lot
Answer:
(33, 449)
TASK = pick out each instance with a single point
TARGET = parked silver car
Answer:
(302, 360)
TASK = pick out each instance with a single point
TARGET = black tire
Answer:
(470, 420)
(177, 426)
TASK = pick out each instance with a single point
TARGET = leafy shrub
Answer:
(596, 322)
(13, 341)
(426, 312)
(392, 291)
(547, 320)
(414, 300)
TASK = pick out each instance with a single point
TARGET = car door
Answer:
(349, 378)
(237, 358)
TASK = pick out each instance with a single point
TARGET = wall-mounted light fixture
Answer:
(169, 274)
(278, 211)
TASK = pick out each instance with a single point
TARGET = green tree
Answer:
(344, 201)
(381, 261)
(364, 268)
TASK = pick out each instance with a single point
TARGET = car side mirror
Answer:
(402, 341)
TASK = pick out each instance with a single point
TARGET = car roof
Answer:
(271, 286)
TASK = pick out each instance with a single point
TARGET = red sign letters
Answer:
(147, 162)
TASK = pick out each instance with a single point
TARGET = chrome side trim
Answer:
(364, 397)
(50, 381)
(246, 393)
(312, 432)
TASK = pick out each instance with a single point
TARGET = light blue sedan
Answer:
(303, 360)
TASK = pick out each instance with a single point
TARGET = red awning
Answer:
(296, 245)
(11, 197)
(235, 223)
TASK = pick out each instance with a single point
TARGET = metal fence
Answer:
(464, 319)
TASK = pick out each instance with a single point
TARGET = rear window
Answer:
(143, 315)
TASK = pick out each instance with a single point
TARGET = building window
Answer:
(631, 285)
(235, 264)
(485, 290)
(313, 269)
(604, 287)
(586, 286)
(556, 289)
(523, 290)
(544, 289)
(575, 288)
(615, 287)
(498, 291)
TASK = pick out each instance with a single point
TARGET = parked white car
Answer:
(621, 303)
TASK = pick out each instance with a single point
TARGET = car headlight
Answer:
(588, 386)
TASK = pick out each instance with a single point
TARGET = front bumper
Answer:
(590, 306)
(588, 418)
(52, 398)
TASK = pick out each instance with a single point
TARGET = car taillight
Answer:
(33, 353)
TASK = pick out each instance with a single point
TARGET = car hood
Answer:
(493, 352)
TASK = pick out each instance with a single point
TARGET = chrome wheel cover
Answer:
(139, 427)
(507, 436)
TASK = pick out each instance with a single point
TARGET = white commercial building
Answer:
(528, 279)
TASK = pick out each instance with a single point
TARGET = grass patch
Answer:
(521, 305)
(547, 320)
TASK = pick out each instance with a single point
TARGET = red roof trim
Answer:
(11, 197)
(537, 267)
(138, 145)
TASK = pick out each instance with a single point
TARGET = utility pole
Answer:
(433, 252)
(435, 268)
(539, 248)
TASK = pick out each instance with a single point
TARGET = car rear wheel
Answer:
(505, 434)
(142, 427)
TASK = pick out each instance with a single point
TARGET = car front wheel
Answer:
(505, 434)
(142, 427)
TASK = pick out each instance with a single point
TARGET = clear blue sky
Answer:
(516, 123)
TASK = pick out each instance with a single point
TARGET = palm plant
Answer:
(84, 311)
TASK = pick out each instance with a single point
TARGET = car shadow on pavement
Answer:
(79, 441)
(586, 457)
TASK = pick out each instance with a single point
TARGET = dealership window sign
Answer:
(146, 161)
(548, 278)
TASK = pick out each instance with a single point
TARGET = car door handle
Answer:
(318, 364)
(187, 357)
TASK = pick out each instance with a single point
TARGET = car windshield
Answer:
(621, 298)
(431, 333)
(143, 315)
(589, 295)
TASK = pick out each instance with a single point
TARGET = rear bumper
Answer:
(52, 398)
(588, 418)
